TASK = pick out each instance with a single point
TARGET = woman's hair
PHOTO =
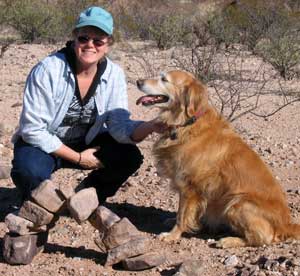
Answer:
(110, 38)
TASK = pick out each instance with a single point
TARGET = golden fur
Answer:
(220, 179)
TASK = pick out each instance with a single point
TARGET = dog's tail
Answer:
(291, 231)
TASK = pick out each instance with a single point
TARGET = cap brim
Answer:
(102, 27)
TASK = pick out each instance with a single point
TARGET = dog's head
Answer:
(176, 91)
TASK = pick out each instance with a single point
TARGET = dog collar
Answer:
(189, 121)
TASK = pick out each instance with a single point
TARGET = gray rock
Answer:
(46, 196)
(130, 249)
(22, 226)
(231, 261)
(66, 191)
(103, 218)
(22, 249)
(142, 262)
(36, 214)
(6, 129)
(82, 204)
(270, 264)
(120, 233)
(190, 268)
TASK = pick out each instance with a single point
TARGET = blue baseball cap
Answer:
(97, 17)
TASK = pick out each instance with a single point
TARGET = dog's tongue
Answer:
(144, 100)
(151, 99)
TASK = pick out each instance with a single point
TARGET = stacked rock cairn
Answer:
(119, 238)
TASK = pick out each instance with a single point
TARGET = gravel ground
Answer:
(146, 199)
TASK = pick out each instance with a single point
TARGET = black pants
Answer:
(31, 166)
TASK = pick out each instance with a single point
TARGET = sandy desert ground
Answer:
(146, 199)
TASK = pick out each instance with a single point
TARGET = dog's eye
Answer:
(164, 79)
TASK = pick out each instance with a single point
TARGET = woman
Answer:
(75, 114)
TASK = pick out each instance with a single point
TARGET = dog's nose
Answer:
(139, 83)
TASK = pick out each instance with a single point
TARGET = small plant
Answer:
(33, 19)
(42, 21)
(281, 48)
(250, 20)
(168, 31)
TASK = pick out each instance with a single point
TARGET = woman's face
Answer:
(91, 45)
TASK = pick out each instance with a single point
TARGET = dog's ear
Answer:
(195, 98)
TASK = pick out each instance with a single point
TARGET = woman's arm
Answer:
(39, 110)
(146, 128)
(86, 159)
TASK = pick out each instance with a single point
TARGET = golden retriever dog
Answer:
(221, 181)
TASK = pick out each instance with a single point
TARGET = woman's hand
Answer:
(158, 127)
(146, 128)
(88, 160)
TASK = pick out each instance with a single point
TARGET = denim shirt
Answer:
(48, 92)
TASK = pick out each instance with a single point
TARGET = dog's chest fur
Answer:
(193, 160)
(181, 161)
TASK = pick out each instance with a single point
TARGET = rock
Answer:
(47, 197)
(66, 191)
(82, 204)
(22, 226)
(143, 262)
(130, 249)
(270, 264)
(99, 242)
(36, 214)
(190, 268)
(231, 261)
(249, 270)
(6, 129)
(120, 233)
(103, 218)
(5, 172)
(22, 249)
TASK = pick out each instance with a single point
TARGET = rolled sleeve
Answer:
(120, 125)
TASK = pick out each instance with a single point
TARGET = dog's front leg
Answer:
(191, 208)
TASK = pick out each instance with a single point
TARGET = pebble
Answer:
(231, 260)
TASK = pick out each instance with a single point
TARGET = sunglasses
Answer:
(84, 39)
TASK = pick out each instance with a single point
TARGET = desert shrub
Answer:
(161, 21)
(33, 19)
(281, 46)
(41, 21)
(200, 61)
(249, 20)
(268, 29)
(132, 22)
(170, 30)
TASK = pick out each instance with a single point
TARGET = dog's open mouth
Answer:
(152, 99)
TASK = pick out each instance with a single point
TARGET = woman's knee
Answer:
(27, 178)
(30, 172)
(30, 167)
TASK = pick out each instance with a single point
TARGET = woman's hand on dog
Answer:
(146, 128)
(158, 127)
(88, 160)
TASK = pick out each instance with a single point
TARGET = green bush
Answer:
(249, 20)
(131, 22)
(33, 19)
(168, 31)
(281, 47)
(42, 21)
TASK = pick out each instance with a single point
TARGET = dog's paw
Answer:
(167, 237)
(230, 242)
